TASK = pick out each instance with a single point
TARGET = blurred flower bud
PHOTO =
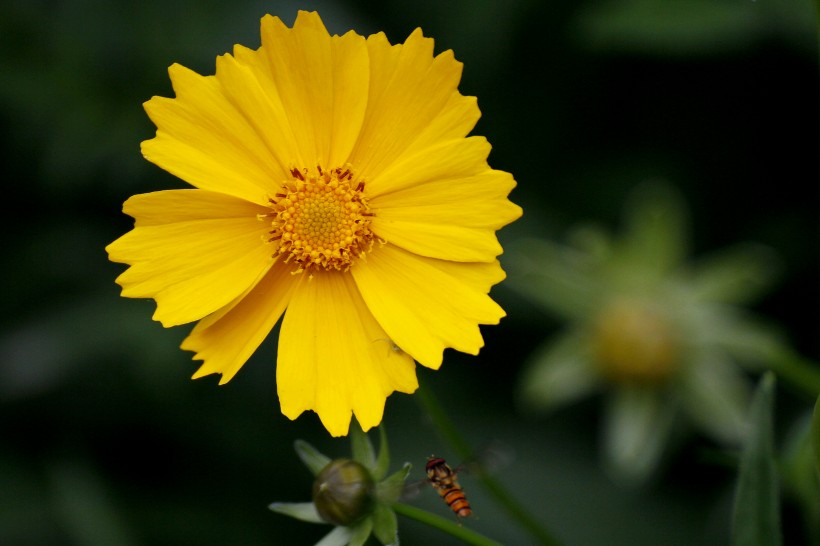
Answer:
(635, 343)
(343, 492)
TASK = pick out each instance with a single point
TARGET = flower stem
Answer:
(448, 431)
(442, 524)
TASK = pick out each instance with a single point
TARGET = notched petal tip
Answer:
(309, 19)
(205, 370)
(337, 422)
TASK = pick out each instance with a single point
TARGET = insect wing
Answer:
(490, 460)
(413, 489)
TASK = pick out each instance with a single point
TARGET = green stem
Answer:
(442, 524)
(450, 433)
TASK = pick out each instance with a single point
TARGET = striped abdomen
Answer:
(456, 500)
(444, 479)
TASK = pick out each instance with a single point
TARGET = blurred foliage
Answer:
(663, 336)
(105, 440)
(800, 472)
(694, 27)
(756, 516)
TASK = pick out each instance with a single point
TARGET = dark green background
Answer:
(105, 440)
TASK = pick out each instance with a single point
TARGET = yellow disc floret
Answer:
(321, 220)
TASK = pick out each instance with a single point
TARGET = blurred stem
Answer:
(445, 525)
(801, 372)
(448, 431)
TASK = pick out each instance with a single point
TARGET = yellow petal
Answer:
(426, 305)
(409, 90)
(205, 140)
(455, 120)
(446, 203)
(446, 159)
(335, 359)
(224, 341)
(322, 82)
(477, 201)
(170, 206)
(450, 219)
(196, 264)
(245, 82)
(351, 79)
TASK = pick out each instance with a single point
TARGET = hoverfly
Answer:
(444, 478)
(445, 481)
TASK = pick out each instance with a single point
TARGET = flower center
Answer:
(636, 343)
(321, 220)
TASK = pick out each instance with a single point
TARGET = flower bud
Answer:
(343, 492)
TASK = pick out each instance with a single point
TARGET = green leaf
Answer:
(339, 536)
(815, 436)
(655, 236)
(360, 532)
(390, 489)
(736, 275)
(637, 428)
(799, 475)
(561, 371)
(715, 394)
(361, 447)
(591, 239)
(756, 517)
(383, 460)
(751, 341)
(309, 455)
(562, 279)
(304, 511)
(797, 370)
(385, 525)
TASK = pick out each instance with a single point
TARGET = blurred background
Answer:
(104, 439)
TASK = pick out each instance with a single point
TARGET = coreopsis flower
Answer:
(334, 183)
(663, 337)
(354, 495)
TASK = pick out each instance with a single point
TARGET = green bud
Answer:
(343, 492)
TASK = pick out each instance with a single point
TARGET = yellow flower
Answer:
(335, 184)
